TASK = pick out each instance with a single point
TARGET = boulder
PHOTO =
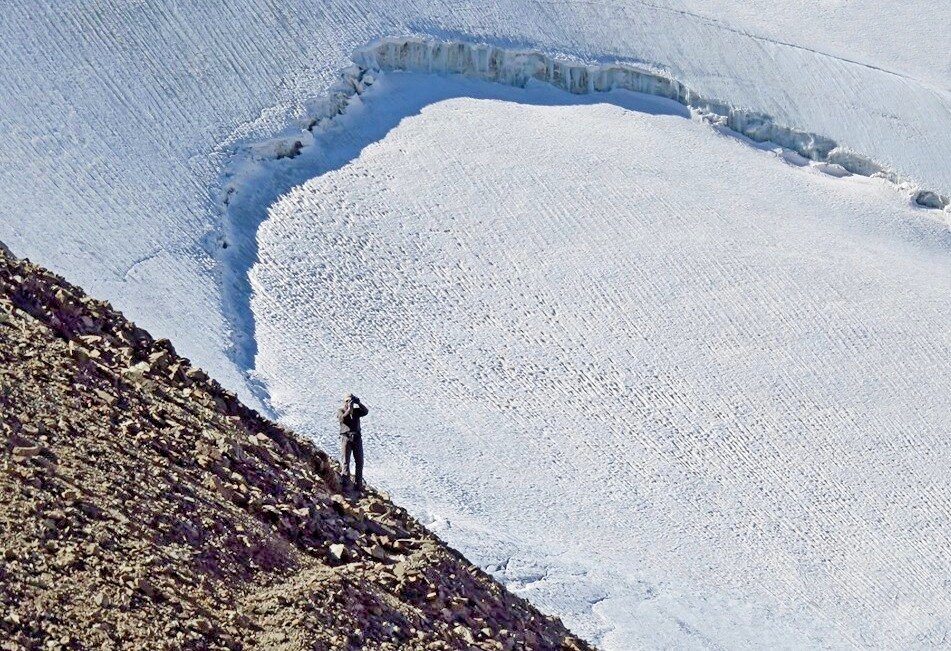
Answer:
(136, 373)
(105, 397)
(195, 374)
(465, 634)
(159, 359)
(378, 553)
(399, 570)
(928, 199)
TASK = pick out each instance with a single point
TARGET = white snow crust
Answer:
(684, 391)
(118, 117)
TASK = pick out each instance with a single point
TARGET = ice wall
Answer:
(517, 68)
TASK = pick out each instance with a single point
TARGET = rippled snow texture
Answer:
(118, 117)
(667, 385)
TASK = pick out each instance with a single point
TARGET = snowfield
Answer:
(629, 361)
(119, 117)
(679, 388)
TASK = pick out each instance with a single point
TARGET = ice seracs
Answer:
(518, 67)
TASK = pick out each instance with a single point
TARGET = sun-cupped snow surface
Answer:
(119, 117)
(667, 384)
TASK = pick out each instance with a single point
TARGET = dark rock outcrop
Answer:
(145, 507)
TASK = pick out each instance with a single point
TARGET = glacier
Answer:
(127, 124)
(122, 116)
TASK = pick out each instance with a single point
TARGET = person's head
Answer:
(349, 398)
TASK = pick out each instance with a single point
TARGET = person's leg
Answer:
(345, 455)
(358, 459)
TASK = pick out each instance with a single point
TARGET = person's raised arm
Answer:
(362, 410)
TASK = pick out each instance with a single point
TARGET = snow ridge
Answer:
(517, 68)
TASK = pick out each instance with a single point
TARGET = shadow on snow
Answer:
(256, 182)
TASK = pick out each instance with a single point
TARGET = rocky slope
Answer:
(145, 507)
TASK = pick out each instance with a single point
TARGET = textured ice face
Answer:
(667, 385)
(519, 67)
(119, 117)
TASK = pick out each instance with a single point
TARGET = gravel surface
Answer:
(146, 507)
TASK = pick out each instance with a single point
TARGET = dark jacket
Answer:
(350, 418)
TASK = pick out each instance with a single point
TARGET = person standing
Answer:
(351, 440)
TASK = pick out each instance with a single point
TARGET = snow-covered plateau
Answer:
(682, 388)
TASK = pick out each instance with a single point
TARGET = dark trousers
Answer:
(352, 444)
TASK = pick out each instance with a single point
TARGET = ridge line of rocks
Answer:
(148, 507)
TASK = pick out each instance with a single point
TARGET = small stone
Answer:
(66, 558)
(145, 587)
(337, 552)
(223, 489)
(71, 495)
(201, 625)
(399, 570)
(25, 452)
